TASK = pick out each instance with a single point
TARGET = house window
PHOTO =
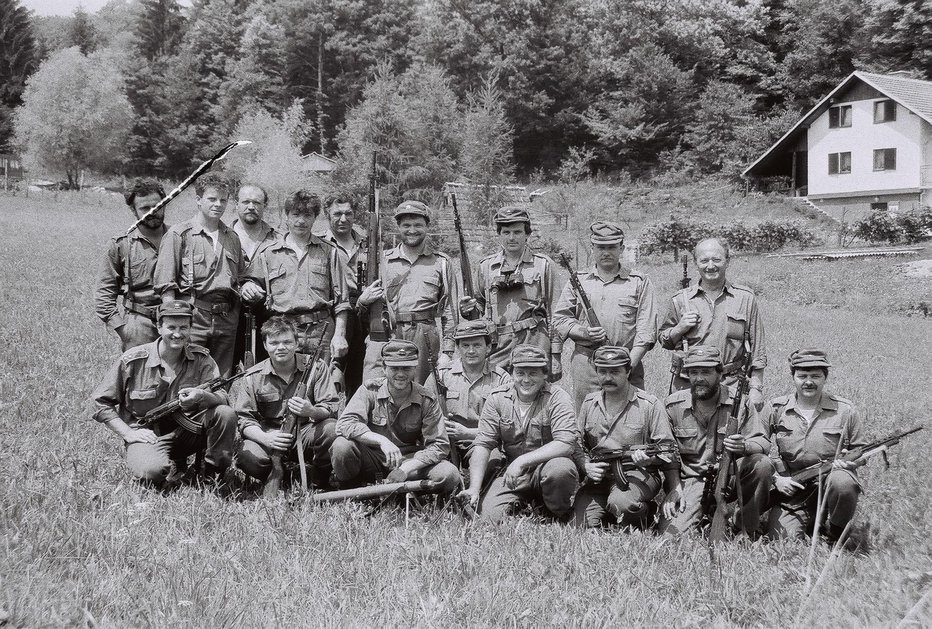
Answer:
(884, 111)
(884, 159)
(839, 116)
(879, 206)
(839, 163)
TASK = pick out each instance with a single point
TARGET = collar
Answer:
(155, 357)
(457, 367)
(395, 252)
(694, 290)
(265, 368)
(267, 230)
(355, 232)
(600, 401)
(282, 243)
(622, 273)
(724, 397)
(415, 397)
(827, 403)
(197, 228)
(527, 257)
(138, 235)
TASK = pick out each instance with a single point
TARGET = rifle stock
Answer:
(592, 318)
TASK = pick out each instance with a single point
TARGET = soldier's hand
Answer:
(756, 399)
(786, 485)
(639, 457)
(338, 346)
(470, 496)
(372, 293)
(513, 473)
(455, 430)
(140, 435)
(841, 464)
(468, 306)
(300, 406)
(736, 445)
(673, 502)
(392, 454)
(688, 321)
(596, 334)
(596, 471)
(190, 397)
(252, 292)
(278, 440)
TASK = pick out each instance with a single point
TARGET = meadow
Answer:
(82, 545)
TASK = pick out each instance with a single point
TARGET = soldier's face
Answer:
(300, 220)
(606, 255)
(473, 352)
(250, 204)
(399, 378)
(213, 203)
(413, 230)
(711, 261)
(342, 218)
(143, 204)
(529, 381)
(612, 378)
(175, 331)
(704, 382)
(513, 237)
(281, 347)
(809, 383)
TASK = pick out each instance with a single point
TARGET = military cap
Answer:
(512, 214)
(702, 356)
(606, 233)
(471, 329)
(399, 353)
(609, 356)
(412, 208)
(529, 356)
(176, 308)
(809, 358)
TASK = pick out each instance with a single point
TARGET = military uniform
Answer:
(701, 438)
(836, 425)
(641, 421)
(139, 382)
(250, 250)
(262, 401)
(127, 270)
(625, 306)
(208, 274)
(416, 293)
(506, 425)
(722, 324)
(518, 300)
(309, 289)
(416, 428)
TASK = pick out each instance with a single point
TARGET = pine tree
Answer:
(17, 61)
(160, 28)
(82, 32)
(901, 36)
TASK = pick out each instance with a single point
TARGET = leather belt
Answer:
(415, 317)
(213, 307)
(518, 326)
(146, 310)
(315, 316)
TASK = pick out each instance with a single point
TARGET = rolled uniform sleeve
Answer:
(646, 323)
(756, 434)
(566, 311)
(168, 264)
(580, 452)
(244, 403)
(436, 442)
(489, 436)
(339, 267)
(354, 421)
(562, 417)
(756, 330)
(108, 396)
(108, 287)
(325, 392)
(670, 320)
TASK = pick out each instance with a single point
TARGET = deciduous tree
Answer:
(17, 61)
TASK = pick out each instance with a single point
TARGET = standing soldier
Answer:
(303, 278)
(466, 384)
(699, 417)
(150, 375)
(417, 285)
(270, 392)
(715, 313)
(128, 268)
(810, 426)
(344, 234)
(516, 289)
(392, 428)
(623, 300)
(533, 422)
(620, 415)
(255, 235)
(201, 259)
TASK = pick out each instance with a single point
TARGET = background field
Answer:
(81, 545)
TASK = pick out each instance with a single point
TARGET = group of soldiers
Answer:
(462, 389)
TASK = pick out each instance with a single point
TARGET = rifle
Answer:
(618, 457)
(465, 268)
(442, 400)
(379, 326)
(200, 170)
(378, 491)
(583, 297)
(719, 473)
(808, 475)
(675, 365)
(173, 408)
(291, 424)
(249, 358)
(684, 283)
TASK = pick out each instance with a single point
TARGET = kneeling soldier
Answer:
(699, 417)
(533, 422)
(467, 383)
(270, 392)
(149, 375)
(615, 418)
(809, 426)
(393, 426)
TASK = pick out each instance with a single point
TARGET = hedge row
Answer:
(681, 233)
(905, 227)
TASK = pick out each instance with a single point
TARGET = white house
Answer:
(866, 145)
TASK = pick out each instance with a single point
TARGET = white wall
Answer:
(860, 139)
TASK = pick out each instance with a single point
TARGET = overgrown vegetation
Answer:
(895, 228)
(679, 233)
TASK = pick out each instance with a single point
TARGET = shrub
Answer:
(879, 226)
(680, 233)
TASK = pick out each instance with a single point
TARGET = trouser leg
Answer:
(317, 439)
(373, 367)
(590, 508)
(444, 473)
(355, 463)
(352, 364)
(632, 506)
(585, 380)
(425, 335)
(151, 462)
(841, 499)
(254, 460)
(692, 499)
(220, 431)
(216, 332)
(499, 502)
(557, 481)
(311, 335)
(755, 472)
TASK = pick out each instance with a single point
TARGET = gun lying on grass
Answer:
(660, 453)
(718, 478)
(591, 316)
(465, 268)
(291, 426)
(808, 477)
(378, 491)
(172, 409)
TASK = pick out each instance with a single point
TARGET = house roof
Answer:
(913, 94)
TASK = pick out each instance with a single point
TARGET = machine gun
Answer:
(379, 326)
(465, 267)
(592, 318)
(172, 409)
(661, 453)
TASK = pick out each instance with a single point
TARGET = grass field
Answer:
(81, 545)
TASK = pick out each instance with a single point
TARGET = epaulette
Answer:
(500, 388)
(489, 257)
(442, 255)
(373, 384)
(320, 241)
(200, 349)
(498, 371)
(780, 400)
(677, 397)
(841, 399)
(743, 287)
(424, 391)
(591, 396)
(644, 395)
(135, 353)
(637, 273)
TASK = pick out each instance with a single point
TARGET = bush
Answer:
(681, 233)
(552, 248)
(906, 227)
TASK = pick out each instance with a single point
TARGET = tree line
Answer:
(481, 89)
